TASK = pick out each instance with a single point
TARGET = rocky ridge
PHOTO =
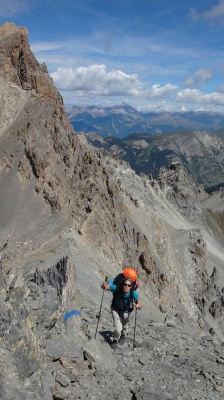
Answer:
(71, 215)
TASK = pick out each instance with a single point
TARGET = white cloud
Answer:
(10, 8)
(216, 11)
(190, 81)
(198, 97)
(160, 106)
(46, 46)
(220, 89)
(159, 92)
(96, 81)
(198, 78)
(204, 75)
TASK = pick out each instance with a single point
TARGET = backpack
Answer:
(120, 277)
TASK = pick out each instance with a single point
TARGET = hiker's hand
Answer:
(105, 286)
(138, 305)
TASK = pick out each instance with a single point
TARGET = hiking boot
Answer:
(114, 344)
(122, 339)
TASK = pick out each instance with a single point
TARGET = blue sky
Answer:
(161, 55)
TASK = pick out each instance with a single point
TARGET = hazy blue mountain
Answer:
(123, 120)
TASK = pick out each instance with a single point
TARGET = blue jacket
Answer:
(122, 300)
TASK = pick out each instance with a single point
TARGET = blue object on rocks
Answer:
(70, 313)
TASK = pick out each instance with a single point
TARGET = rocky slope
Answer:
(201, 153)
(71, 215)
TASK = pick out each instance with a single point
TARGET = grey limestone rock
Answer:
(180, 190)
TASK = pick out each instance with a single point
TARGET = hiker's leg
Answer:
(117, 325)
(125, 322)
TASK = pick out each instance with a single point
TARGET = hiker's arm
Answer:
(105, 286)
(138, 304)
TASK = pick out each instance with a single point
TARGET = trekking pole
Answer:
(100, 309)
(135, 327)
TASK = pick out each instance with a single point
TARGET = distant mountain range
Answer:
(200, 152)
(123, 120)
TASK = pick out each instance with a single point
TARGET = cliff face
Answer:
(180, 191)
(18, 64)
(70, 216)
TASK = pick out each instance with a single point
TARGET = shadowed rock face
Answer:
(71, 216)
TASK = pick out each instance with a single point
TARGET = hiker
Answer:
(123, 303)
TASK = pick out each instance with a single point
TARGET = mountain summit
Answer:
(72, 215)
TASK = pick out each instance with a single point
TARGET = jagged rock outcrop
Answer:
(18, 64)
(71, 216)
(180, 190)
(213, 206)
(32, 317)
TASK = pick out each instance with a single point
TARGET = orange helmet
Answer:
(130, 273)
